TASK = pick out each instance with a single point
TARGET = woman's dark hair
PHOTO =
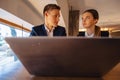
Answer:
(93, 12)
(50, 7)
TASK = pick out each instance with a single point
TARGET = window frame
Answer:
(6, 22)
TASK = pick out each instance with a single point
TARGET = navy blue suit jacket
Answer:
(40, 31)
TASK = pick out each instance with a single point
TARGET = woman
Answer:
(89, 19)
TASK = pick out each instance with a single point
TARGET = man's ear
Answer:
(46, 13)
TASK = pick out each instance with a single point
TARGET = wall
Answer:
(74, 22)
(65, 11)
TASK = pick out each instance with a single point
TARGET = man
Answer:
(50, 27)
(90, 18)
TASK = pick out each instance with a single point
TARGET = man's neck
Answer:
(49, 27)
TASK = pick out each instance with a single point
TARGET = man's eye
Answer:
(55, 15)
(88, 17)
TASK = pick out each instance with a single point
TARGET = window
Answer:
(6, 54)
(10, 26)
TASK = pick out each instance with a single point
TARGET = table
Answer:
(17, 71)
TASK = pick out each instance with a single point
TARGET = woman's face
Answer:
(52, 17)
(88, 20)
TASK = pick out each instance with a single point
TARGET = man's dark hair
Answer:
(51, 7)
(93, 12)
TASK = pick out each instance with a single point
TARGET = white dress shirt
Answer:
(49, 33)
(89, 36)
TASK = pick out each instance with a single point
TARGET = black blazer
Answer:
(40, 31)
(102, 34)
(98, 33)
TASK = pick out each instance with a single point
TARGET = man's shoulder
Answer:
(38, 26)
(60, 27)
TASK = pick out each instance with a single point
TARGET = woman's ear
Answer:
(96, 20)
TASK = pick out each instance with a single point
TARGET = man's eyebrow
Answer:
(87, 16)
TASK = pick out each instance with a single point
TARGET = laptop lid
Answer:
(67, 56)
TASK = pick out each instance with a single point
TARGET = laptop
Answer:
(66, 56)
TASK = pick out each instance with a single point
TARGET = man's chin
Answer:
(55, 25)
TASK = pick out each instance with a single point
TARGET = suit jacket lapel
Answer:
(43, 31)
(55, 32)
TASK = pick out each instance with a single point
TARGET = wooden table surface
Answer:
(17, 71)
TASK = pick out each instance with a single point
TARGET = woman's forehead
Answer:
(87, 14)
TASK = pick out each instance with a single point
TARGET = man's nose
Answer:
(58, 19)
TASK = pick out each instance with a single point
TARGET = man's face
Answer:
(88, 20)
(52, 17)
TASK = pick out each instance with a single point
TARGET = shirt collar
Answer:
(49, 33)
(48, 29)
(86, 35)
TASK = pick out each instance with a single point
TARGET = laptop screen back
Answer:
(67, 56)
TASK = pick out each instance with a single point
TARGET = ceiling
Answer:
(109, 10)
